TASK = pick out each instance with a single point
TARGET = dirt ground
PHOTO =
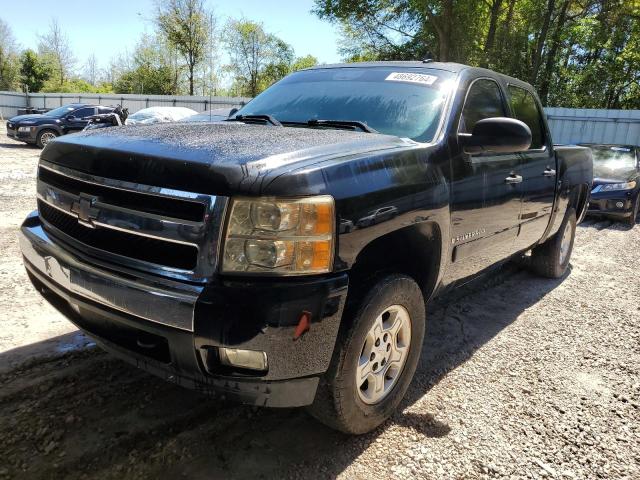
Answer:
(520, 377)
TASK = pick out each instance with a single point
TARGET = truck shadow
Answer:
(85, 414)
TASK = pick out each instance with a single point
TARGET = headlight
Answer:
(279, 236)
(610, 187)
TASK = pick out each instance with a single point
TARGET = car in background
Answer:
(616, 182)
(216, 115)
(40, 129)
(151, 115)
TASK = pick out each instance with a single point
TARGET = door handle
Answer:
(549, 172)
(513, 178)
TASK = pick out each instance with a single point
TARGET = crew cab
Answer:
(616, 186)
(40, 129)
(284, 257)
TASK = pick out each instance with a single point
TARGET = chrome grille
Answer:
(163, 231)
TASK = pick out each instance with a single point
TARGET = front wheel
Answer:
(375, 358)
(44, 137)
(551, 259)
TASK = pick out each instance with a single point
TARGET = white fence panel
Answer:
(134, 102)
(10, 102)
(582, 125)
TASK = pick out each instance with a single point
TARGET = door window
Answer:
(83, 112)
(484, 100)
(526, 110)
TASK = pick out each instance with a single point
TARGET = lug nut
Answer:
(377, 342)
(386, 337)
(375, 366)
(373, 355)
(388, 347)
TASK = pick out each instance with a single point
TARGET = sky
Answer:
(108, 28)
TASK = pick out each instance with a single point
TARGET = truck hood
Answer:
(221, 158)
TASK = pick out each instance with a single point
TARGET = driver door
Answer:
(485, 193)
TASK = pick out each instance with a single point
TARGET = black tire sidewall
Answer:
(392, 290)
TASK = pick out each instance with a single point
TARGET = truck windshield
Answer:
(607, 160)
(405, 102)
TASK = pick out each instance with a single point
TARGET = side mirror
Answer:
(233, 111)
(497, 134)
(71, 118)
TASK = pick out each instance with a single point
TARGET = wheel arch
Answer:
(415, 251)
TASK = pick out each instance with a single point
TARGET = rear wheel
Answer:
(631, 221)
(44, 137)
(551, 259)
(375, 358)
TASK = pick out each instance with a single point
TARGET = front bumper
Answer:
(173, 329)
(607, 203)
(28, 137)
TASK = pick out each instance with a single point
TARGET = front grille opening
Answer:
(170, 254)
(168, 207)
(124, 336)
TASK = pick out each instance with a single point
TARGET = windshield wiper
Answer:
(255, 118)
(347, 124)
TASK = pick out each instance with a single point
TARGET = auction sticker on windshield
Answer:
(411, 78)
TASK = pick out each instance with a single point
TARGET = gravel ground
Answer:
(520, 377)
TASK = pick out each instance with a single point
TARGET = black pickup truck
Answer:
(283, 257)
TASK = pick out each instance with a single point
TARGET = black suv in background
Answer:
(616, 182)
(40, 129)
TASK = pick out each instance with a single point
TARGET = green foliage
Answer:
(187, 28)
(151, 71)
(76, 85)
(577, 53)
(258, 58)
(34, 70)
(9, 63)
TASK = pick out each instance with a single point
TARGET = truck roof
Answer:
(445, 66)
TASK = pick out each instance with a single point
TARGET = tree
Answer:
(8, 59)
(186, 25)
(577, 53)
(55, 45)
(257, 57)
(34, 71)
(91, 70)
(148, 70)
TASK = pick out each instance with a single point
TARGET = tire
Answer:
(45, 136)
(551, 259)
(344, 402)
(631, 221)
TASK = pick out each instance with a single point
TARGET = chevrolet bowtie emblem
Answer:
(84, 209)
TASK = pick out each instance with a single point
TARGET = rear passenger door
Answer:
(538, 169)
(484, 204)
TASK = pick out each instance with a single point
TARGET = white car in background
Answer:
(148, 116)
